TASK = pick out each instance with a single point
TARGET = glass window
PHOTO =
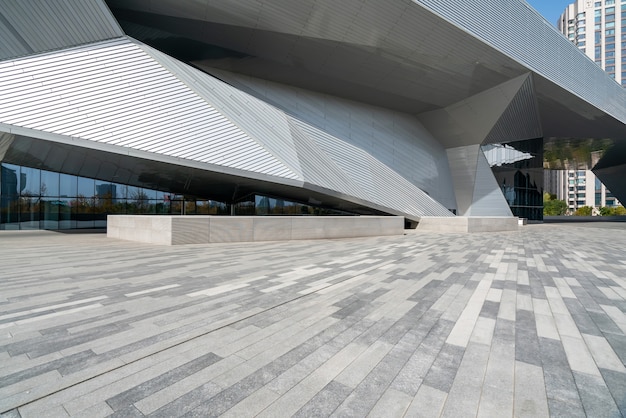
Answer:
(66, 220)
(9, 180)
(609, 25)
(610, 61)
(610, 39)
(609, 9)
(610, 18)
(85, 187)
(597, 4)
(49, 183)
(29, 181)
(609, 68)
(610, 32)
(29, 212)
(49, 213)
(104, 189)
(68, 185)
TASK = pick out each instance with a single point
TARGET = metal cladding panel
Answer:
(517, 30)
(463, 162)
(487, 198)
(379, 184)
(521, 118)
(317, 166)
(262, 122)
(34, 26)
(395, 139)
(114, 93)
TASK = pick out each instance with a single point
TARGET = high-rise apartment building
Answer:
(598, 27)
(579, 188)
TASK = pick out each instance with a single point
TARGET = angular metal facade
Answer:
(368, 106)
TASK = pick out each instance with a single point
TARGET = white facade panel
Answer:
(139, 105)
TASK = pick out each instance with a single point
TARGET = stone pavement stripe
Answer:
(603, 354)
(427, 403)
(212, 291)
(508, 304)
(48, 316)
(616, 315)
(51, 307)
(325, 401)
(390, 287)
(252, 405)
(193, 384)
(498, 388)
(578, 356)
(152, 290)
(393, 403)
(136, 393)
(464, 395)
(546, 327)
(530, 397)
(353, 374)
(563, 396)
(462, 331)
(616, 383)
(596, 398)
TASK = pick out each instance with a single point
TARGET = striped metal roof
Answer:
(34, 26)
(115, 93)
(130, 96)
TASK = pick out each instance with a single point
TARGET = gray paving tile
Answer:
(443, 371)
(129, 397)
(325, 402)
(616, 383)
(396, 333)
(596, 397)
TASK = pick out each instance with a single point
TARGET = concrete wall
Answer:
(468, 224)
(177, 230)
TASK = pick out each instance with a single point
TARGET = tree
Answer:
(612, 211)
(584, 211)
(552, 206)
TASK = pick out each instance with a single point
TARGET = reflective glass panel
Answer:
(68, 185)
(85, 187)
(29, 181)
(49, 183)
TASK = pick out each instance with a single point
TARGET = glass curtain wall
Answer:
(31, 198)
(518, 169)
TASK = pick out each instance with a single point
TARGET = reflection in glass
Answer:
(66, 220)
(518, 169)
(29, 181)
(38, 199)
(85, 187)
(49, 183)
(50, 213)
(68, 185)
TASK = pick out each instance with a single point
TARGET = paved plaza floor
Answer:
(527, 323)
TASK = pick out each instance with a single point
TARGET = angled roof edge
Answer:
(30, 27)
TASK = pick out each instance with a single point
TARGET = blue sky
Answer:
(550, 9)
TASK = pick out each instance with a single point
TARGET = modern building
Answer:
(580, 188)
(414, 108)
(598, 28)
